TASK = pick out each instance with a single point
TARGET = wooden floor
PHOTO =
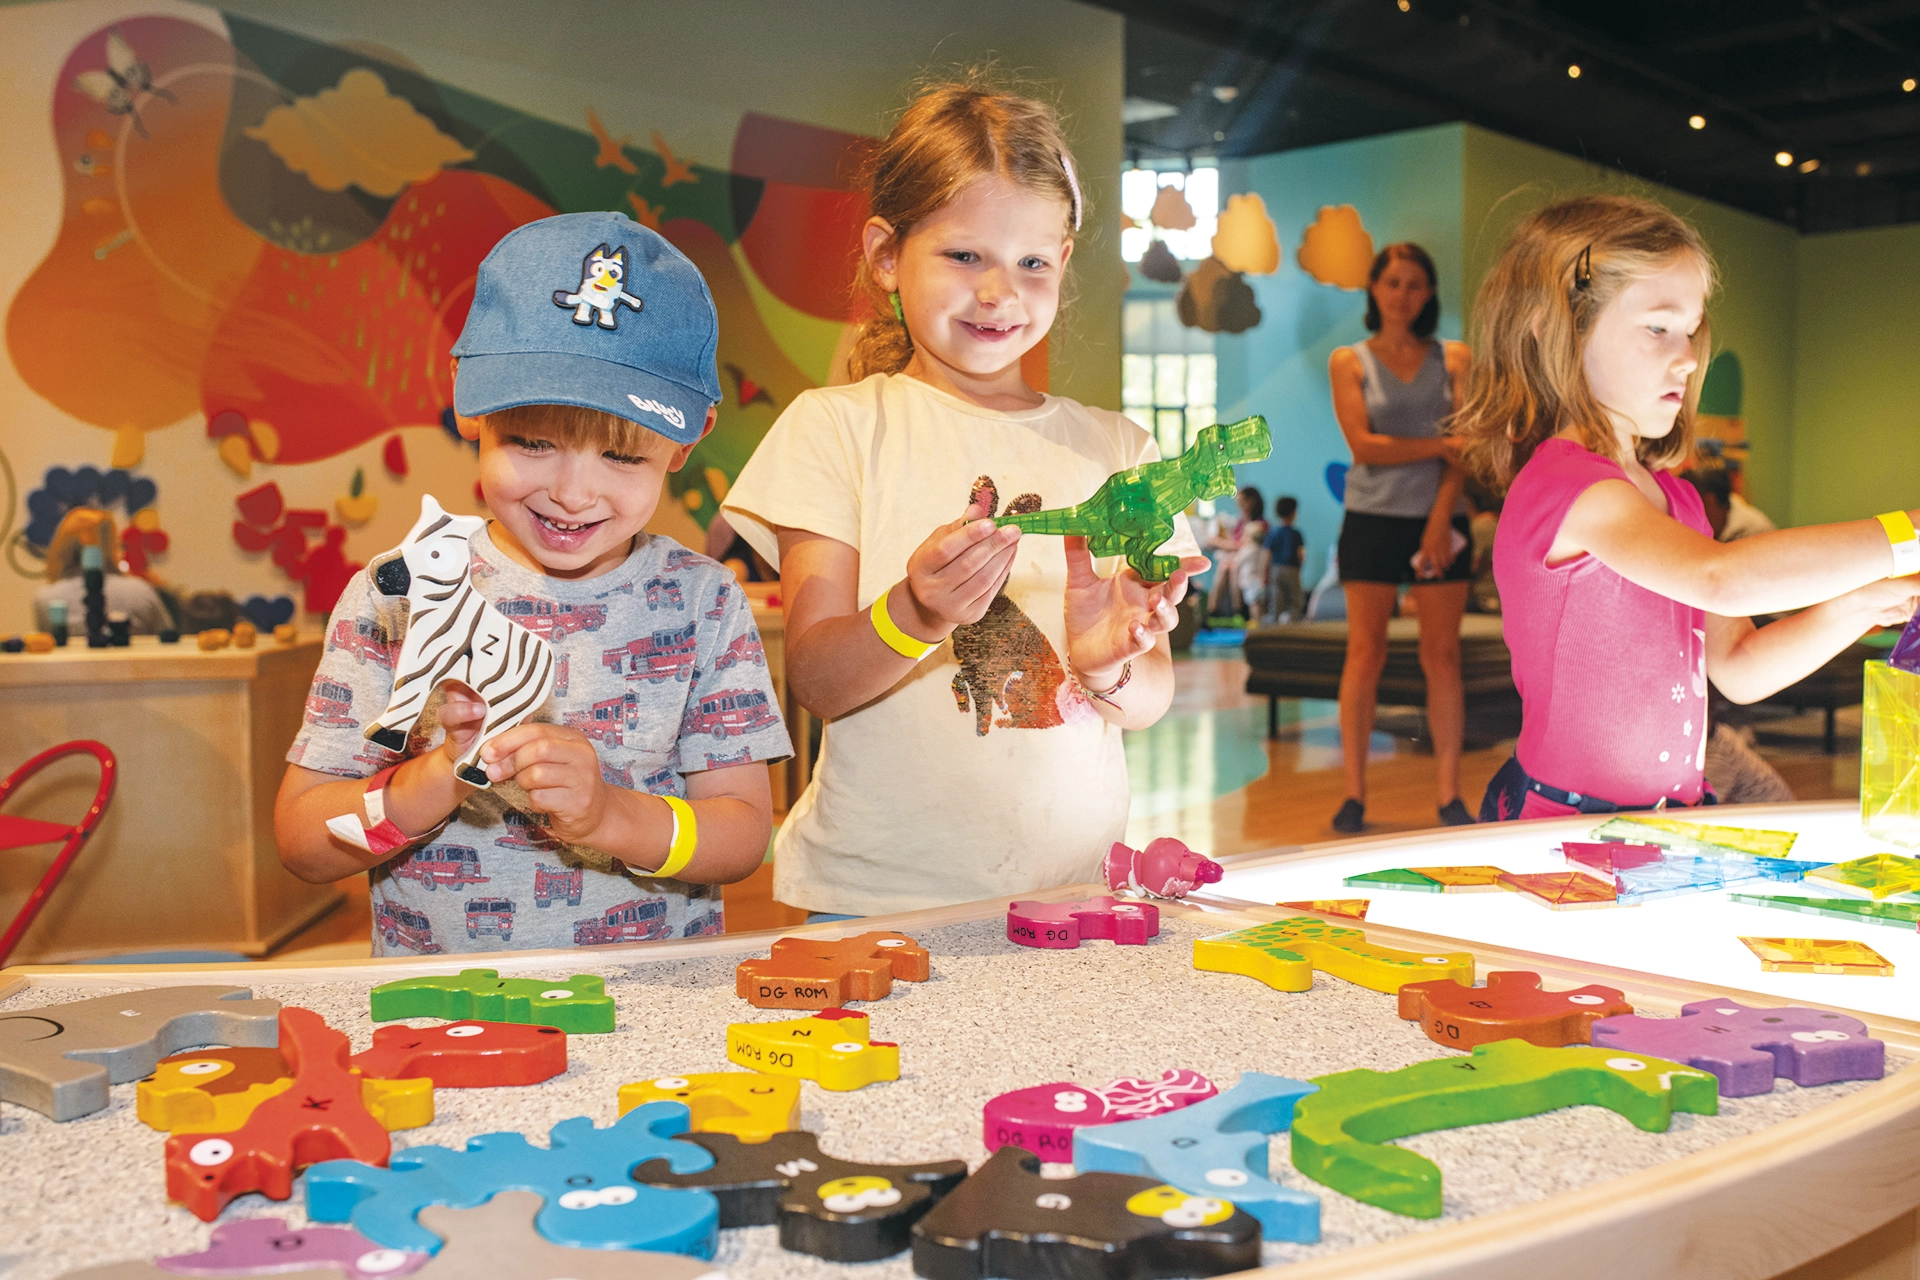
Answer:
(1208, 775)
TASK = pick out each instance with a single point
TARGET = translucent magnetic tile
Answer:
(1395, 878)
(1900, 915)
(1890, 755)
(1562, 890)
(1462, 879)
(1878, 875)
(1352, 908)
(1696, 837)
(1819, 955)
(1611, 856)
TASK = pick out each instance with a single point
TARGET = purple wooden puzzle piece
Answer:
(1062, 925)
(1745, 1048)
(1042, 1119)
(263, 1246)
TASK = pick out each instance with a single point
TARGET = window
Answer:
(1170, 395)
(1138, 190)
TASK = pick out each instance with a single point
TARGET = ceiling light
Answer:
(1783, 158)
(1808, 166)
(1406, 6)
(1862, 169)
(1908, 84)
(1219, 136)
(1573, 71)
(1225, 92)
(1696, 122)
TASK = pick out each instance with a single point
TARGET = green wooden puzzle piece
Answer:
(1339, 1133)
(1397, 878)
(579, 1006)
(1901, 915)
(1132, 511)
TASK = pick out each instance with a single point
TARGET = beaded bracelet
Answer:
(1126, 674)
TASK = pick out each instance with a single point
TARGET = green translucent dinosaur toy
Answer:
(1132, 512)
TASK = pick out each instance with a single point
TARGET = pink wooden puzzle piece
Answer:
(1042, 1119)
(265, 1246)
(1166, 868)
(1062, 925)
(1745, 1048)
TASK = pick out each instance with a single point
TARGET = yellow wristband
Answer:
(1904, 540)
(892, 636)
(686, 836)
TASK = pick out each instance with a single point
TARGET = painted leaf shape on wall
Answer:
(1247, 240)
(1158, 263)
(1217, 300)
(1171, 212)
(1336, 248)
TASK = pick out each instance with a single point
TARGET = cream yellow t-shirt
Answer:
(986, 770)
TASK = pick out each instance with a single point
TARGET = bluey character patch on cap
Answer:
(601, 290)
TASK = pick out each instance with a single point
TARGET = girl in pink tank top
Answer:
(1619, 606)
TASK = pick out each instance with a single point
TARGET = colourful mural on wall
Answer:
(273, 240)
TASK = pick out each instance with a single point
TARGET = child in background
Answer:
(1239, 542)
(662, 698)
(1287, 555)
(1618, 604)
(974, 683)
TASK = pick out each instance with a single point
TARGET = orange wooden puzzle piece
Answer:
(1510, 1007)
(810, 973)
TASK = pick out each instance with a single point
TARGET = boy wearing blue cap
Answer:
(585, 373)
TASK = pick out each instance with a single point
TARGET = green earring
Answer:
(898, 314)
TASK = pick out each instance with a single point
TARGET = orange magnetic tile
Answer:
(1463, 879)
(1819, 955)
(1561, 890)
(1352, 908)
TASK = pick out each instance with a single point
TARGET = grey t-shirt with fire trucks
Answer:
(657, 662)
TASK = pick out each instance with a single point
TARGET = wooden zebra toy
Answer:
(453, 633)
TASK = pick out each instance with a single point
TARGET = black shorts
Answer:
(1381, 549)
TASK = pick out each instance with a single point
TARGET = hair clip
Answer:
(1073, 185)
(1583, 270)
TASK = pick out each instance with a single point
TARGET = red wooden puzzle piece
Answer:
(320, 1118)
(1060, 925)
(809, 973)
(466, 1055)
(1510, 1007)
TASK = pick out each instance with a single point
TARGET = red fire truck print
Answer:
(719, 760)
(720, 602)
(746, 648)
(365, 639)
(610, 720)
(550, 884)
(617, 775)
(453, 865)
(730, 712)
(404, 928)
(681, 558)
(551, 620)
(560, 675)
(659, 782)
(701, 926)
(331, 704)
(664, 655)
(525, 832)
(374, 756)
(664, 591)
(642, 920)
(490, 916)
(624, 589)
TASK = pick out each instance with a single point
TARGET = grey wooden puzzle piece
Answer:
(498, 1240)
(59, 1059)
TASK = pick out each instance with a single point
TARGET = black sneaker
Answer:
(1454, 814)
(1352, 818)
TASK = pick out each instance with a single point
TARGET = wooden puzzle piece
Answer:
(498, 1240)
(321, 1117)
(1008, 1221)
(579, 1006)
(831, 1049)
(1819, 955)
(1284, 955)
(582, 1173)
(149, 1271)
(1341, 1134)
(1042, 1119)
(750, 1106)
(215, 1090)
(1063, 925)
(1166, 868)
(466, 1055)
(1562, 890)
(1901, 915)
(836, 1209)
(1879, 875)
(1510, 1007)
(1745, 1048)
(1217, 1147)
(1351, 908)
(58, 1060)
(809, 973)
(1696, 837)
(268, 1246)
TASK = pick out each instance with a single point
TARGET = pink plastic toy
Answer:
(1061, 925)
(1166, 868)
(1042, 1119)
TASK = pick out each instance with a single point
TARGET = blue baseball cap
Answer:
(591, 309)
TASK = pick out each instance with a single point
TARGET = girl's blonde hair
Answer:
(1531, 320)
(82, 527)
(951, 135)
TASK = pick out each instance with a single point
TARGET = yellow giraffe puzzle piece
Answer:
(750, 1106)
(177, 1098)
(831, 1048)
(1285, 954)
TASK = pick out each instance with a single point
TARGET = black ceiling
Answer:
(1820, 80)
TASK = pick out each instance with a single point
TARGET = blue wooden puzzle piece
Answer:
(591, 1203)
(1217, 1147)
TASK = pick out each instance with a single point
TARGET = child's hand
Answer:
(1888, 602)
(953, 576)
(1111, 621)
(462, 712)
(559, 770)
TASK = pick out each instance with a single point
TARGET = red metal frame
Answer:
(20, 833)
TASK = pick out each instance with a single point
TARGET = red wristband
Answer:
(375, 832)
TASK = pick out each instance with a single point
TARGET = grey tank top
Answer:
(1410, 409)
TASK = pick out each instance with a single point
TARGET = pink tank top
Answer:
(1612, 677)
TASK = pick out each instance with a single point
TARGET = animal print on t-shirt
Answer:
(1006, 662)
